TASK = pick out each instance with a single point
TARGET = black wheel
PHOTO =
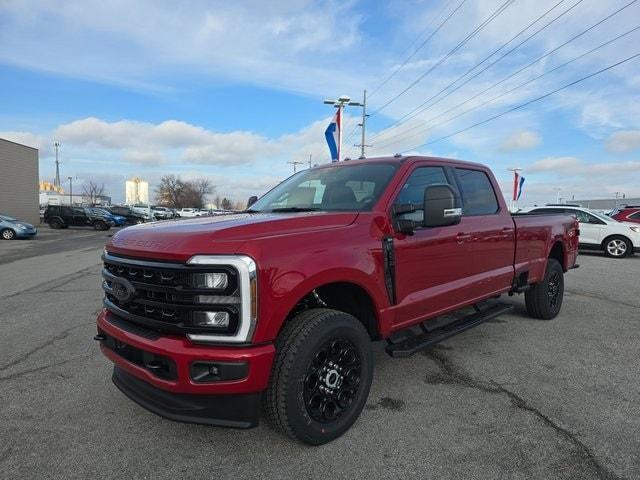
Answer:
(544, 299)
(321, 376)
(100, 225)
(55, 224)
(8, 234)
(617, 246)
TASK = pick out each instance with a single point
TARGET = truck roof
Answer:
(399, 159)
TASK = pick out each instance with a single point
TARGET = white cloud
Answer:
(555, 164)
(624, 142)
(524, 140)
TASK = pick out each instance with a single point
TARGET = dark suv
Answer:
(63, 216)
(132, 217)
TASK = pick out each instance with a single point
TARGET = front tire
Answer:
(100, 225)
(544, 299)
(321, 376)
(8, 234)
(56, 224)
(617, 247)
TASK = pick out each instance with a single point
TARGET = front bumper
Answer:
(26, 233)
(170, 390)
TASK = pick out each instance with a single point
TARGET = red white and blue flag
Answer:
(332, 134)
(518, 181)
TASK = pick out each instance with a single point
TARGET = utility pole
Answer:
(310, 155)
(56, 182)
(363, 125)
(70, 190)
(558, 190)
(515, 186)
(295, 163)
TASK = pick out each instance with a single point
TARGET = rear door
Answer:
(79, 216)
(592, 230)
(488, 230)
(433, 264)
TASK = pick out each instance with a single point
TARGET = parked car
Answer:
(600, 232)
(11, 228)
(162, 213)
(118, 220)
(281, 303)
(64, 216)
(189, 212)
(131, 217)
(628, 213)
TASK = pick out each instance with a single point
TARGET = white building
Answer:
(136, 191)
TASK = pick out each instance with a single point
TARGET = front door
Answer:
(433, 264)
(591, 228)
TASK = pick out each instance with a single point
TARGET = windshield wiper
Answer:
(295, 209)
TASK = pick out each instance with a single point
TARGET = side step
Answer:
(413, 343)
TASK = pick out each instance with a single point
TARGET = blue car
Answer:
(118, 220)
(10, 228)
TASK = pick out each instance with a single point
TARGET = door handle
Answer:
(462, 237)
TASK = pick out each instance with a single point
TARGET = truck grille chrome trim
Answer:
(247, 284)
(165, 296)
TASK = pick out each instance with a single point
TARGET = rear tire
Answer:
(544, 299)
(617, 246)
(8, 234)
(321, 376)
(100, 225)
(55, 224)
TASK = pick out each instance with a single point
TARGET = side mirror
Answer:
(252, 199)
(440, 206)
(405, 225)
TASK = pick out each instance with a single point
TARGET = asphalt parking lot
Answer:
(515, 398)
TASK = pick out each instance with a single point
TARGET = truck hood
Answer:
(181, 239)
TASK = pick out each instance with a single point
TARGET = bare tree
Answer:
(176, 193)
(91, 191)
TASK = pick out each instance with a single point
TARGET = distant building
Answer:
(48, 197)
(19, 181)
(136, 191)
(606, 203)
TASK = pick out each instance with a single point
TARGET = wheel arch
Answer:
(557, 252)
(345, 296)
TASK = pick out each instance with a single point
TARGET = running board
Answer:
(413, 343)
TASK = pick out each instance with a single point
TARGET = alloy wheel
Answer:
(617, 248)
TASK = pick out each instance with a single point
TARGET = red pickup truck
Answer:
(207, 318)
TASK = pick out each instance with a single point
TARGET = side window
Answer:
(635, 216)
(413, 189)
(478, 197)
(584, 217)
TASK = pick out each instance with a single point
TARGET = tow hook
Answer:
(99, 338)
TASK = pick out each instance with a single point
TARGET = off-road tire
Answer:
(100, 225)
(56, 224)
(296, 347)
(539, 298)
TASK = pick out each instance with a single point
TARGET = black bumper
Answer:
(237, 411)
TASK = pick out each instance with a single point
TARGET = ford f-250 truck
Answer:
(206, 318)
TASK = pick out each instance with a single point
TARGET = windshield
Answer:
(7, 218)
(604, 218)
(335, 188)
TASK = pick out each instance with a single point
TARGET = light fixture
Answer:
(211, 319)
(211, 280)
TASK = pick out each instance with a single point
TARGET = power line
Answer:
(477, 30)
(525, 104)
(431, 35)
(517, 87)
(420, 108)
(530, 64)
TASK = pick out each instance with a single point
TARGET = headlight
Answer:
(20, 227)
(211, 319)
(211, 280)
(635, 229)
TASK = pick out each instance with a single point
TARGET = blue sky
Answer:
(233, 90)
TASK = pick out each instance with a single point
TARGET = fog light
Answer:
(211, 319)
(211, 280)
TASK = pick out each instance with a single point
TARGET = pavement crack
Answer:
(601, 298)
(60, 336)
(452, 374)
(13, 376)
(56, 283)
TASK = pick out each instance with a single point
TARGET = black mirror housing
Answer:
(252, 199)
(440, 207)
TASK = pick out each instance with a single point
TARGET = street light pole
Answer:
(295, 163)
(70, 191)
(56, 182)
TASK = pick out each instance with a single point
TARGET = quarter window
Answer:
(478, 197)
